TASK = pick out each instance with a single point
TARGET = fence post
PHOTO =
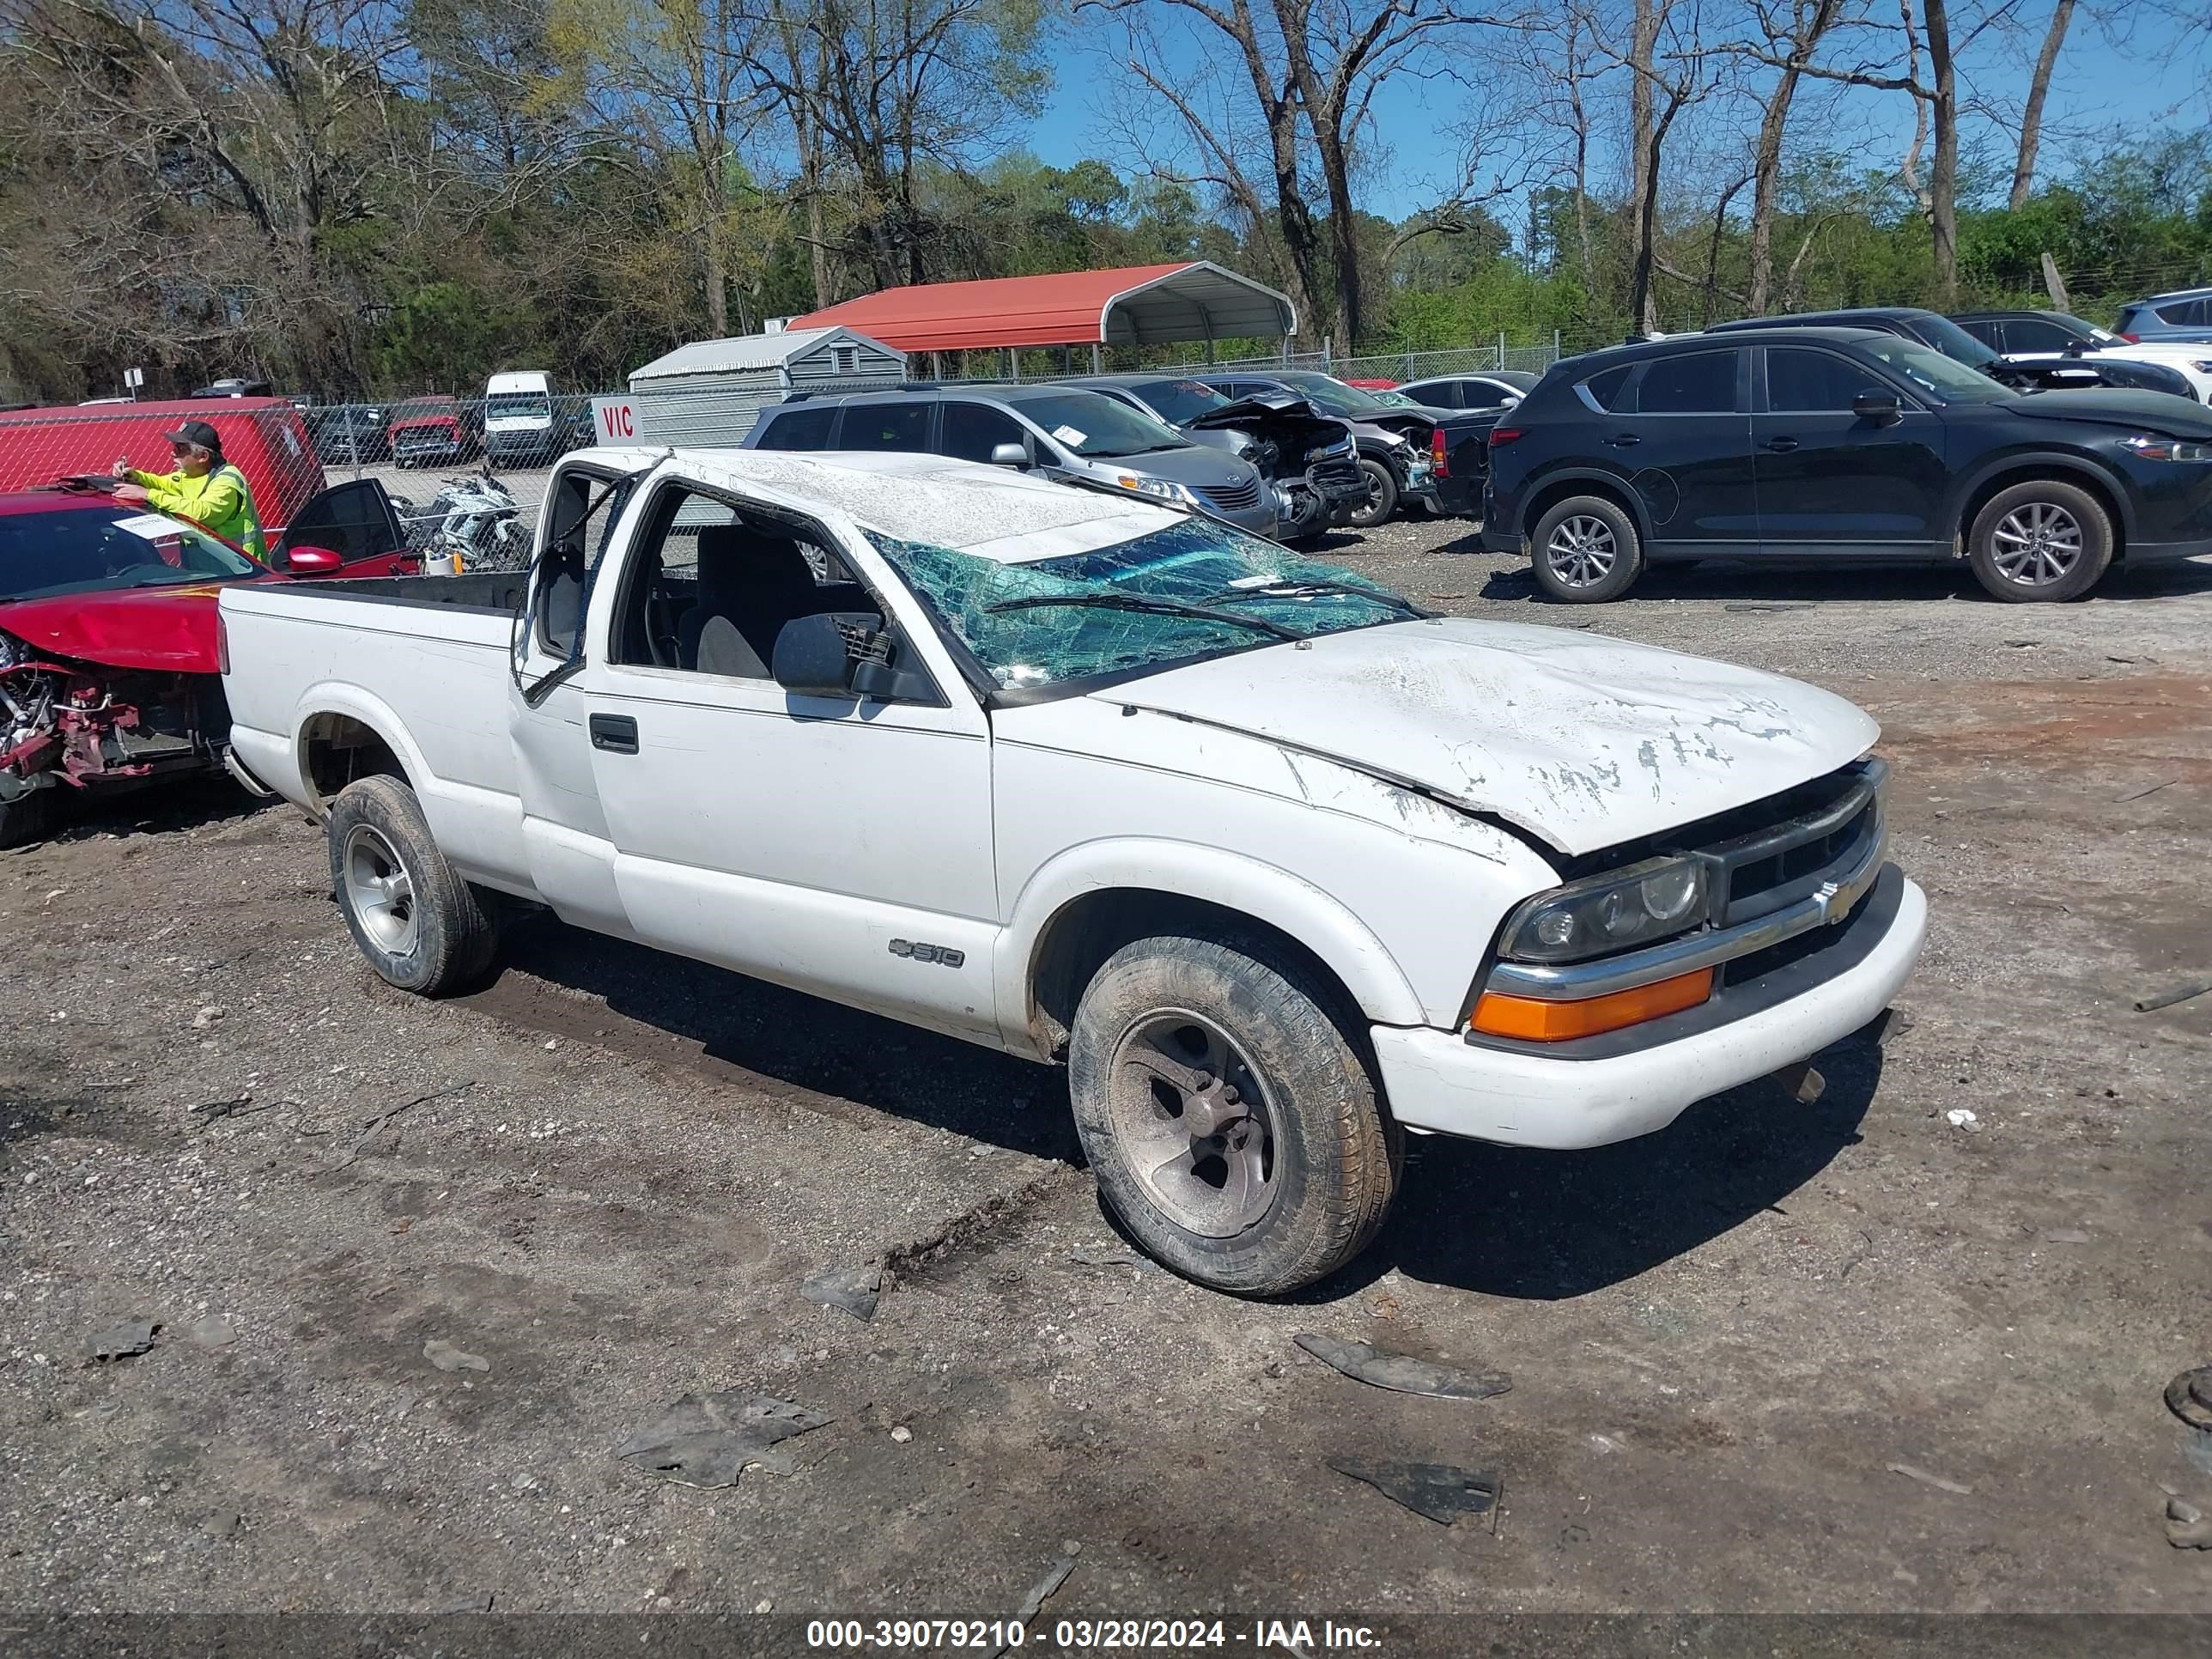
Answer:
(1555, 345)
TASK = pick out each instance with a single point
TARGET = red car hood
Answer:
(160, 630)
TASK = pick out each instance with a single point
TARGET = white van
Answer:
(519, 424)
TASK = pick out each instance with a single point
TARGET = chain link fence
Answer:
(466, 476)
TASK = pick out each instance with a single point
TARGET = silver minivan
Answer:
(1028, 426)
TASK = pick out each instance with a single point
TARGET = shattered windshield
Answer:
(1329, 394)
(1188, 590)
(1177, 402)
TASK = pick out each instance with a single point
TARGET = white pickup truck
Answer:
(1279, 865)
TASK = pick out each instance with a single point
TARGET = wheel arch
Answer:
(2034, 466)
(1558, 488)
(1078, 912)
(342, 734)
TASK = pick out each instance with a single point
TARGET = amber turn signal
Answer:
(1536, 1019)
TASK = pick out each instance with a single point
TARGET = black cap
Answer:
(199, 434)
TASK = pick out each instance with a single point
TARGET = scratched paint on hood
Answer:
(1582, 741)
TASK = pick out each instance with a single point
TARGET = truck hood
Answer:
(2162, 412)
(158, 629)
(1581, 741)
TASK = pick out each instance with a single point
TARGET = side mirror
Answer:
(810, 658)
(1880, 407)
(310, 561)
(1009, 455)
(847, 654)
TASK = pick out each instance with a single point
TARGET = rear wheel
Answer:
(1586, 551)
(1382, 495)
(2042, 541)
(421, 927)
(1233, 1124)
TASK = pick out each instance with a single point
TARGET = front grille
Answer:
(1232, 498)
(1828, 833)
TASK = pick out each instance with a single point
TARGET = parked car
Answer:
(233, 387)
(1491, 388)
(349, 434)
(1063, 429)
(518, 423)
(2185, 315)
(1307, 458)
(2052, 336)
(1838, 445)
(1278, 864)
(1933, 328)
(1394, 443)
(109, 650)
(430, 431)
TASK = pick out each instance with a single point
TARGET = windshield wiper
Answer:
(1152, 607)
(1297, 587)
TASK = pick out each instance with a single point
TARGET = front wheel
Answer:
(1586, 551)
(1232, 1122)
(26, 817)
(421, 927)
(1382, 495)
(2040, 541)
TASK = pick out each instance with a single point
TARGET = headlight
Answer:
(13, 651)
(1162, 488)
(1605, 913)
(2166, 449)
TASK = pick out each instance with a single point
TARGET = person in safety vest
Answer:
(204, 488)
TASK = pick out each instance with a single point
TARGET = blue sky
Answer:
(2147, 80)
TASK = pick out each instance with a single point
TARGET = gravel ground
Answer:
(1842, 1357)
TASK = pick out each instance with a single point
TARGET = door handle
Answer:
(1782, 446)
(615, 733)
(1623, 439)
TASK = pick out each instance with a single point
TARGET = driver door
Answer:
(839, 846)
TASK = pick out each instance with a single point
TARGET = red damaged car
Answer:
(109, 650)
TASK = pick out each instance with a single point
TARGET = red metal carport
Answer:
(1134, 305)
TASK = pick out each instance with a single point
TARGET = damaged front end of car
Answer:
(78, 724)
(1308, 458)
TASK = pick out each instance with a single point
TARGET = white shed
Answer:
(710, 393)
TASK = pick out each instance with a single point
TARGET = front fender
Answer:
(1187, 870)
(2055, 460)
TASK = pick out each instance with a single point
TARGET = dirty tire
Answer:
(2043, 541)
(1382, 495)
(438, 938)
(1331, 1155)
(1586, 551)
(26, 819)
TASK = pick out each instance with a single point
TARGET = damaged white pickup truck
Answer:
(1278, 865)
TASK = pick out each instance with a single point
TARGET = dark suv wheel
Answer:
(1586, 551)
(2040, 541)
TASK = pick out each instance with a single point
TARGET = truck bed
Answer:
(422, 658)
(497, 590)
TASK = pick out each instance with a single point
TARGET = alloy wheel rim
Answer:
(1581, 550)
(2037, 543)
(381, 891)
(1191, 1117)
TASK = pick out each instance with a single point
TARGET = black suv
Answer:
(1838, 444)
(2029, 373)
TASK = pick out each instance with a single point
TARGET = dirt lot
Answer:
(606, 1175)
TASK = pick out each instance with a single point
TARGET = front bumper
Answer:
(1591, 1094)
